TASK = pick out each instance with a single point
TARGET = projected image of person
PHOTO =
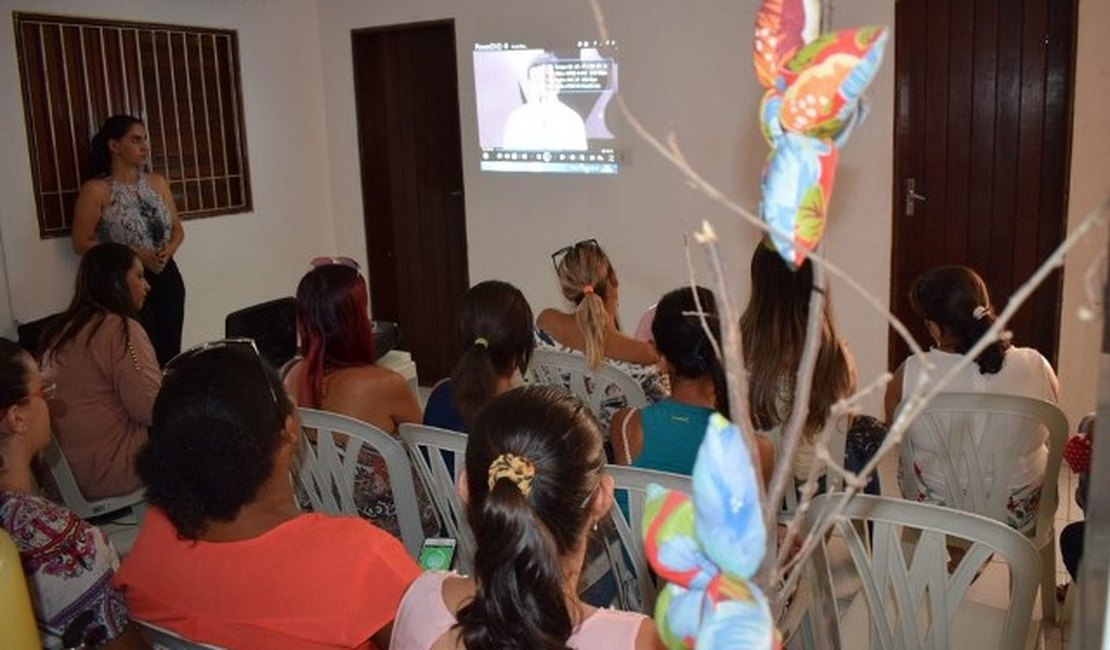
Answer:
(543, 122)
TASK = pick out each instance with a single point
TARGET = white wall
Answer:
(1090, 185)
(684, 67)
(228, 262)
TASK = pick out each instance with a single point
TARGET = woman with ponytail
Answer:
(495, 329)
(534, 488)
(666, 435)
(592, 329)
(124, 204)
(956, 307)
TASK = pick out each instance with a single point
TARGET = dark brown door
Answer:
(982, 141)
(406, 90)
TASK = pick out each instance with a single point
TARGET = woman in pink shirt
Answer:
(535, 488)
(106, 371)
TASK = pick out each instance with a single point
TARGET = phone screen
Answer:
(437, 554)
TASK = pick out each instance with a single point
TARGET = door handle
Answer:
(912, 196)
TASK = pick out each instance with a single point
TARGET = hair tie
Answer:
(980, 312)
(517, 469)
(589, 288)
(481, 340)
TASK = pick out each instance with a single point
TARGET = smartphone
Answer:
(437, 554)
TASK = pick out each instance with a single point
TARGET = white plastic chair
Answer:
(326, 469)
(594, 388)
(909, 599)
(71, 494)
(633, 482)
(162, 639)
(973, 432)
(426, 445)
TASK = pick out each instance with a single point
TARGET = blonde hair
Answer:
(587, 278)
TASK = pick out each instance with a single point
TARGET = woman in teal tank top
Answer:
(665, 436)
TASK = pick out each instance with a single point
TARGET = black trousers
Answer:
(1071, 546)
(164, 311)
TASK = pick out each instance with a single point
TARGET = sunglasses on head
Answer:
(557, 256)
(204, 348)
(340, 261)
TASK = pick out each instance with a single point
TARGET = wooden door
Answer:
(406, 90)
(983, 93)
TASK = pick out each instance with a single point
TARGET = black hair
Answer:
(14, 373)
(215, 431)
(681, 338)
(100, 289)
(521, 540)
(951, 297)
(495, 330)
(100, 156)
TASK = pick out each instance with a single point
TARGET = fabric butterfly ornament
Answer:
(708, 548)
(814, 85)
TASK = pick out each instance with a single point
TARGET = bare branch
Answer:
(803, 383)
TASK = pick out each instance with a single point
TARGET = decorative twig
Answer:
(783, 476)
(735, 372)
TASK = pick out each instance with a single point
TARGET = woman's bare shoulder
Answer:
(96, 187)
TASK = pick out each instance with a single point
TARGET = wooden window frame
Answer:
(68, 95)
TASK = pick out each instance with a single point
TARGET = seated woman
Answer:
(590, 284)
(773, 328)
(534, 488)
(956, 307)
(68, 563)
(99, 356)
(337, 373)
(666, 435)
(224, 556)
(495, 329)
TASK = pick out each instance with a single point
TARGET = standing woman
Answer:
(124, 204)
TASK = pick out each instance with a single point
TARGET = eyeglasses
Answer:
(46, 391)
(341, 261)
(198, 350)
(557, 256)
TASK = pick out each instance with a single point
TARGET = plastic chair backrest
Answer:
(556, 368)
(438, 457)
(71, 494)
(973, 434)
(911, 595)
(633, 482)
(838, 439)
(327, 468)
(17, 620)
(163, 639)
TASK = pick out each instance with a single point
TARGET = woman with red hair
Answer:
(337, 373)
